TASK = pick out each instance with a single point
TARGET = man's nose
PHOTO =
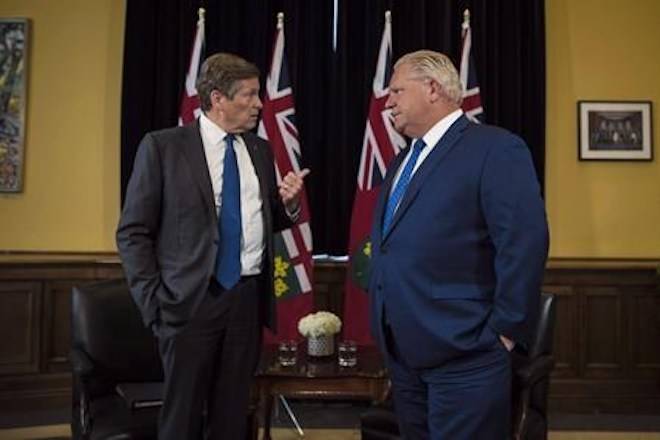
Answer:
(390, 102)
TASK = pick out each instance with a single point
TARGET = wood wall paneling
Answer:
(643, 336)
(607, 335)
(20, 316)
(602, 346)
(35, 330)
(566, 340)
(329, 281)
(56, 326)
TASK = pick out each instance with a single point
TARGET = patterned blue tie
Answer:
(401, 185)
(228, 259)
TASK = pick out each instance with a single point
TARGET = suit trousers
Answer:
(209, 366)
(468, 398)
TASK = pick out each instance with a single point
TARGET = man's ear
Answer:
(434, 91)
(218, 98)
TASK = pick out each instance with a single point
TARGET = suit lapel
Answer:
(440, 151)
(194, 155)
(258, 163)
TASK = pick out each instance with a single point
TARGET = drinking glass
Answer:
(287, 352)
(347, 354)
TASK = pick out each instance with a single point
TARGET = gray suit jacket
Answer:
(167, 235)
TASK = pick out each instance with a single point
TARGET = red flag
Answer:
(471, 95)
(381, 143)
(190, 108)
(293, 247)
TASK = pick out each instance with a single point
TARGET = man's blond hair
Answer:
(437, 67)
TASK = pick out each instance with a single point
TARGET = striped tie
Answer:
(401, 185)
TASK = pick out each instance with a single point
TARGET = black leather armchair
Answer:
(531, 379)
(110, 346)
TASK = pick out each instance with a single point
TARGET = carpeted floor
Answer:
(341, 421)
(60, 432)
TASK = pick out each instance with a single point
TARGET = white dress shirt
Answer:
(431, 138)
(252, 222)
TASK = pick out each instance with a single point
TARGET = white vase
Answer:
(321, 346)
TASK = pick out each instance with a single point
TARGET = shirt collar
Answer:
(211, 130)
(436, 132)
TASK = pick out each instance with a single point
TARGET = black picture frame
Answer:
(615, 130)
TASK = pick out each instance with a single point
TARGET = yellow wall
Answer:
(601, 50)
(596, 49)
(70, 200)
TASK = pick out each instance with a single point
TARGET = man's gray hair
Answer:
(437, 67)
(223, 72)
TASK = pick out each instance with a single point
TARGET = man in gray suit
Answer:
(196, 242)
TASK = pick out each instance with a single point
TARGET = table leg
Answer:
(268, 412)
(252, 425)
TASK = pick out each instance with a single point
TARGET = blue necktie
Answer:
(401, 185)
(228, 259)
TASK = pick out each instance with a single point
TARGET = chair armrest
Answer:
(535, 370)
(81, 363)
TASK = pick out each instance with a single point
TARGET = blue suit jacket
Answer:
(464, 257)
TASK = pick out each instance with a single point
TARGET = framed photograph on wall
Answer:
(615, 130)
(13, 78)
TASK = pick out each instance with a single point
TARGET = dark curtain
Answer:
(332, 88)
(157, 43)
(509, 48)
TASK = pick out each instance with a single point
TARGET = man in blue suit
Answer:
(459, 245)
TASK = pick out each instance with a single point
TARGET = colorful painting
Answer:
(13, 65)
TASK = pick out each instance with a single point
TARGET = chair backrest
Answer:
(108, 328)
(545, 329)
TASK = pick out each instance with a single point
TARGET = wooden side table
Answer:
(318, 378)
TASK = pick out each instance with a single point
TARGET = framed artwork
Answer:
(615, 130)
(13, 78)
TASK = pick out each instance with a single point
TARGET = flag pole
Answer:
(465, 47)
(471, 95)
(267, 104)
(190, 106)
(380, 144)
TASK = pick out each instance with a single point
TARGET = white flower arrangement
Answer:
(319, 324)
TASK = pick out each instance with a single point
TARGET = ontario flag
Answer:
(380, 145)
(471, 95)
(293, 247)
(190, 107)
